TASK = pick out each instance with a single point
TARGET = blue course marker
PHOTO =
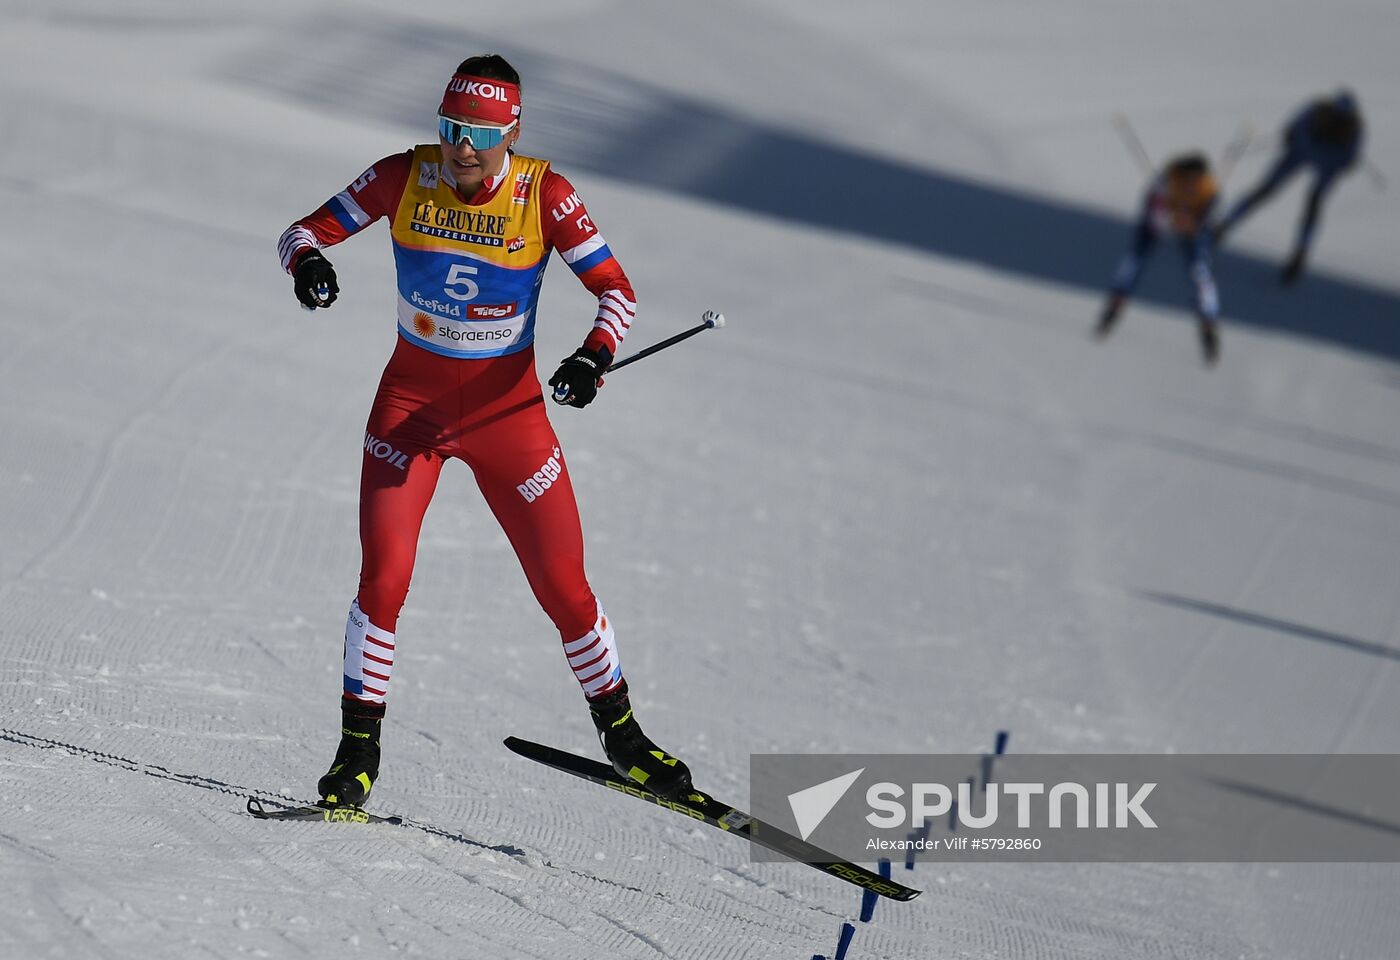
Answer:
(868, 898)
(844, 944)
(917, 836)
(999, 750)
(867, 905)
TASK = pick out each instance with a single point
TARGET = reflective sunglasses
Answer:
(481, 137)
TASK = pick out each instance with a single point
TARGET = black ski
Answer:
(700, 806)
(329, 813)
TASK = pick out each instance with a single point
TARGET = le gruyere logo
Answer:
(454, 223)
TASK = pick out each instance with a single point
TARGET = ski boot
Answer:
(1210, 341)
(1109, 317)
(356, 763)
(632, 753)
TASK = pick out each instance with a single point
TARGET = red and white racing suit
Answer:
(461, 383)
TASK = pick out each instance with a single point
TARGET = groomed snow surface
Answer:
(900, 502)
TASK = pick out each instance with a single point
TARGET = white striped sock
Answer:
(369, 657)
(593, 658)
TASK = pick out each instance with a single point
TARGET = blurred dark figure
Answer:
(1326, 136)
(1178, 203)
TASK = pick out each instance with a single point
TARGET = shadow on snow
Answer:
(616, 127)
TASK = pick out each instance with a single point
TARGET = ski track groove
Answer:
(372, 892)
(406, 844)
(28, 849)
(255, 639)
(171, 503)
(262, 562)
(430, 895)
(1263, 558)
(791, 897)
(531, 913)
(77, 923)
(86, 507)
(714, 858)
(707, 901)
(200, 781)
(265, 864)
(1093, 560)
(636, 935)
(1375, 684)
(99, 895)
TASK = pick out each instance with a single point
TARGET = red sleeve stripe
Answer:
(608, 311)
(615, 315)
(615, 299)
(611, 331)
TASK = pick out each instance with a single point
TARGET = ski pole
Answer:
(1131, 141)
(1378, 179)
(1234, 150)
(709, 320)
(712, 319)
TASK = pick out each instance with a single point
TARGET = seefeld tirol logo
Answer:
(490, 311)
(436, 306)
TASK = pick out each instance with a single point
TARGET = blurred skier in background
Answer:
(472, 225)
(1325, 136)
(1177, 204)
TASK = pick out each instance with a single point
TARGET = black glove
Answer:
(578, 377)
(314, 280)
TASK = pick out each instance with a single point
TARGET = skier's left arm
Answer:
(569, 228)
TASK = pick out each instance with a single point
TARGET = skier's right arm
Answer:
(375, 194)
